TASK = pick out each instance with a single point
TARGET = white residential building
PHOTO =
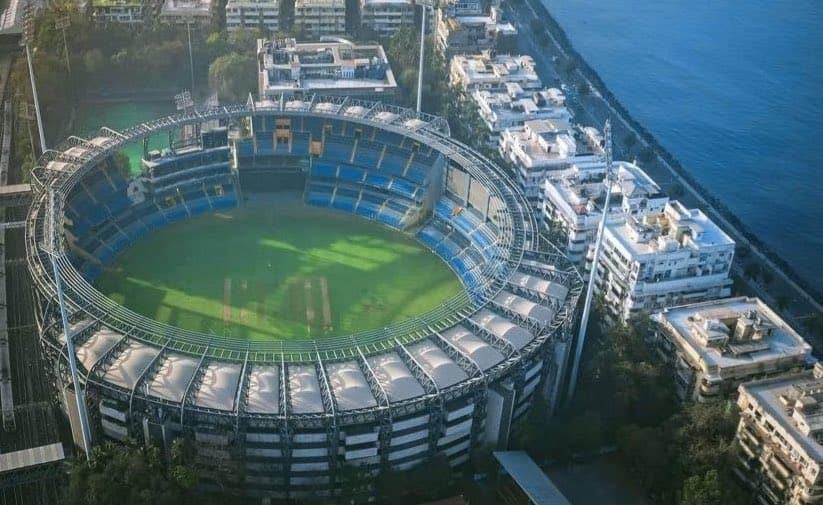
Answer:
(385, 17)
(493, 72)
(316, 18)
(656, 261)
(779, 437)
(339, 68)
(126, 12)
(464, 7)
(573, 201)
(253, 14)
(186, 11)
(542, 146)
(513, 106)
(473, 33)
(715, 346)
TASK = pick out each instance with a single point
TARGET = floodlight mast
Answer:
(424, 6)
(587, 304)
(64, 23)
(26, 41)
(51, 251)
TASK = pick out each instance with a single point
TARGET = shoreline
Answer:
(710, 203)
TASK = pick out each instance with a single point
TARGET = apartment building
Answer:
(716, 345)
(574, 200)
(339, 68)
(473, 33)
(779, 437)
(318, 18)
(242, 14)
(652, 262)
(492, 72)
(125, 12)
(513, 106)
(186, 11)
(542, 146)
(385, 17)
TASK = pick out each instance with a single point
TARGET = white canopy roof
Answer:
(96, 346)
(503, 328)
(349, 386)
(173, 376)
(305, 390)
(219, 386)
(538, 285)
(526, 308)
(264, 390)
(126, 370)
(437, 364)
(395, 377)
(473, 346)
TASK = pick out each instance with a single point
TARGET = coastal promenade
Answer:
(557, 61)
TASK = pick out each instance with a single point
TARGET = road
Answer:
(592, 108)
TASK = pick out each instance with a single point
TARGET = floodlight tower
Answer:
(424, 5)
(51, 250)
(63, 23)
(191, 58)
(587, 304)
(27, 29)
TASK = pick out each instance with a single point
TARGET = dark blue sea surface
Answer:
(734, 90)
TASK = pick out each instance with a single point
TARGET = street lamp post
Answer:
(422, 51)
(598, 243)
(62, 24)
(27, 43)
(191, 58)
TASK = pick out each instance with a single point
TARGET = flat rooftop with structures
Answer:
(574, 200)
(779, 437)
(489, 71)
(721, 343)
(183, 11)
(339, 68)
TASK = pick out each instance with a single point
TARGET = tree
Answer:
(752, 270)
(646, 155)
(126, 475)
(630, 140)
(537, 25)
(702, 490)
(233, 76)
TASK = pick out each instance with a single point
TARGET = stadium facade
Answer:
(279, 419)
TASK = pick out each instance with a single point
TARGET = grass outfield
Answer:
(288, 272)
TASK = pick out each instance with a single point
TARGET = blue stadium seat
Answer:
(323, 169)
(319, 199)
(347, 173)
(199, 206)
(417, 173)
(377, 180)
(300, 143)
(390, 218)
(404, 188)
(368, 153)
(367, 209)
(344, 203)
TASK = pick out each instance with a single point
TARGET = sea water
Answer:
(733, 90)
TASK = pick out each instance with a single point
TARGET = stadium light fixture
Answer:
(425, 6)
(27, 29)
(183, 100)
(191, 58)
(72, 357)
(598, 243)
(63, 23)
